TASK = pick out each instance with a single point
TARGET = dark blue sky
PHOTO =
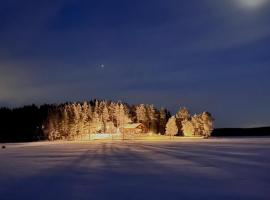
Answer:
(205, 55)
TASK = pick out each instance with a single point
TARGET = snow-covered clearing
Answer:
(184, 169)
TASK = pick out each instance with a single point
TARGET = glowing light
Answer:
(251, 4)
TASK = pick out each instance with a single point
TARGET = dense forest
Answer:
(23, 124)
(240, 132)
(70, 120)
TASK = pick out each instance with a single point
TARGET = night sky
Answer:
(205, 55)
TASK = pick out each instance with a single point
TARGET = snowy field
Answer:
(218, 169)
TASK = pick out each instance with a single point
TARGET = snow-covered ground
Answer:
(185, 169)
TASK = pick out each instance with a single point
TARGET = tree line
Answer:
(70, 120)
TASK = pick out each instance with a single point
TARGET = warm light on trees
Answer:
(208, 124)
(171, 127)
(105, 117)
(188, 128)
(153, 117)
(198, 125)
(141, 115)
(73, 120)
(181, 115)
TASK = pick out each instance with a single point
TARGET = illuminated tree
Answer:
(153, 119)
(182, 115)
(105, 117)
(208, 124)
(49, 128)
(141, 115)
(70, 121)
(96, 124)
(188, 128)
(64, 123)
(111, 107)
(85, 117)
(96, 107)
(105, 114)
(110, 127)
(114, 113)
(171, 127)
(123, 115)
(199, 125)
(52, 128)
(75, 120)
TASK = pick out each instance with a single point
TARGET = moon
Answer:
(251, 4)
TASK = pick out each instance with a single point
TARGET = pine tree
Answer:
(162, 121)
(164, 115)
(152, 114)
(105, 117)
(96, 124)
(123, 116)
(111, 108)
(141, 115)
(64, 123)
(70, 124)
(114, 113)
(80, 122)
(52, 127)
(75, 128)
(97, 108)
(89, 119)
(85, 118)
(49, 127)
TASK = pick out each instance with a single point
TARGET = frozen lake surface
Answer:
(218, 169)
